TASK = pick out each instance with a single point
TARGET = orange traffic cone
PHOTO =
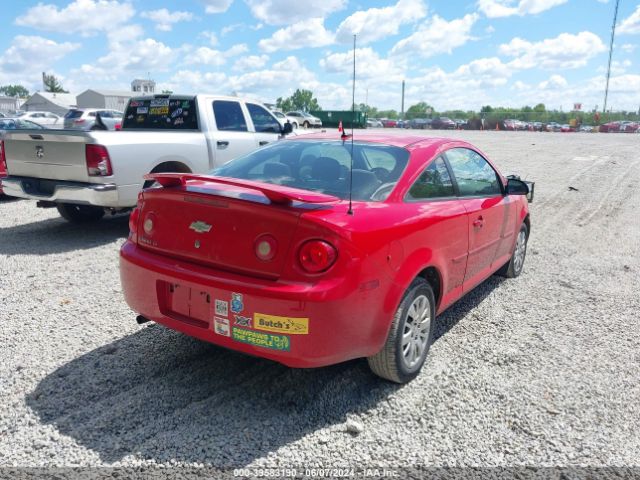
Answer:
(340, 129)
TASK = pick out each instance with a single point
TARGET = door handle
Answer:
(222, 143)
(478, 223)
(263, 143)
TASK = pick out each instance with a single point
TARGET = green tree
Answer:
(51, 84)
(419, 110)
(300, 100)
(14, 91)
(486, 109)
(540, 108)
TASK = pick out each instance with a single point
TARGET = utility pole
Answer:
(613, 34)
(402, 112)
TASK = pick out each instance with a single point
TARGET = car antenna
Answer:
(353, 114)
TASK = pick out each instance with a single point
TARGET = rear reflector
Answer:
(98, 161)
(133, 224)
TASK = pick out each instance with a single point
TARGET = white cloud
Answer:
(368, 64)
(507, 8)
(211, 37)
(617, 67)
(165, 19)
(631, 24)
(28, 56)
(554, 82)
(377, 23)
(206, 56)
(236, 50)
(307, 33)
(565, 51)
(628, 47)
(250, 62)
(286, 12)
(437, 36)
(86, 17)
(216, 6)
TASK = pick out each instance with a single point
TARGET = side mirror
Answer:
(515, 186)
(288, 128)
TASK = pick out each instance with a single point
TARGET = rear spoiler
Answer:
(275, 193)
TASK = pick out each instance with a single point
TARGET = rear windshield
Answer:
(161, 114)
(73, 114)
(324, 166)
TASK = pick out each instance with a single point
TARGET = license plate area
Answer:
(186, 304)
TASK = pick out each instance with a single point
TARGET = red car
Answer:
(269, 257)
(389, 123)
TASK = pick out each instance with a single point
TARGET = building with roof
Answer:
(147, 87)
(10, 104)
(109, 99)
(58, 103)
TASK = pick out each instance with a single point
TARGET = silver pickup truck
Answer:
(84, 174)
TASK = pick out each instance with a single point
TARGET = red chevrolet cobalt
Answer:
(316, 250)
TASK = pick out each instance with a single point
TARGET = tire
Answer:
(513, 267)
(392, 362)
(80, 213)
(295, 125)
(306, 125)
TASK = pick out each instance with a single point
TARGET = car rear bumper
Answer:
(103, 194)
(299, 325)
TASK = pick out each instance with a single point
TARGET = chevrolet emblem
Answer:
(200, 227)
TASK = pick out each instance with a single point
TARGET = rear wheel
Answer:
(80, 213)
(306, 124)
(513, 267)
(410, 335)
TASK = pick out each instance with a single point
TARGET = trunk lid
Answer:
(40, 154)
(218, 225)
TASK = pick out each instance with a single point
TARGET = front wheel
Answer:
(80, 213)
(513, 267)
(410, 335)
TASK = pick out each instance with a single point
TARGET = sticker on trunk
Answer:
(259, 339)
(222, 308)
(221, 326)
(237, 305)
(242, 321)
(274, 323)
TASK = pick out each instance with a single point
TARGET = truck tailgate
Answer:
(56, 155)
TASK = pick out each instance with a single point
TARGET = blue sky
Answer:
(452, 54)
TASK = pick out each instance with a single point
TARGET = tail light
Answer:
(133, 224)
(317, 256)
(118, 126)
(266, 247)
(78, 122)
(98, 161)
(3, 160)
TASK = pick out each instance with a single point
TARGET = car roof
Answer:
(402, 141)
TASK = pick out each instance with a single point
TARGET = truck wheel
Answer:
(410, 335)
(80, 213)
(513, 267)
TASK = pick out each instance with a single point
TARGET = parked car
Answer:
(587, 128)
(282, 118)
(553, 127)
(83, 173)
(304, 119)
(374, 123)
(460, 123)
(610, 127)
(567, 128)
(536, 126)
(8, 124)
(443, 123)
(46, 119)
(388, 123)
(629, 127)
(419, 123)
(85, 119)
(266, 255)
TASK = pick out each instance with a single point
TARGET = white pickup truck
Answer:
(84, 174)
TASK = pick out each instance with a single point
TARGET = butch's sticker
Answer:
(221, 326)
(266, 340)
(159, 111)
(273, 323)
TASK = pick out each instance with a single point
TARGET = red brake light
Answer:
(118, 126)
(317, 256)
(3, 161)
(79, 121)
(266, 247)
(98, 161)
(133, 224)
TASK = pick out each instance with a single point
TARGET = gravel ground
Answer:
(542, 370)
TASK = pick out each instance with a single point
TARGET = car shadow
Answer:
(56, 235)
(161, 396)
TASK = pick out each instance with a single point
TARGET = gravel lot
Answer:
(542, 370)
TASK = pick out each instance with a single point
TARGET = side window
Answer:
(434, 182)
(229, 116)
(474, 175)
(263, 121)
